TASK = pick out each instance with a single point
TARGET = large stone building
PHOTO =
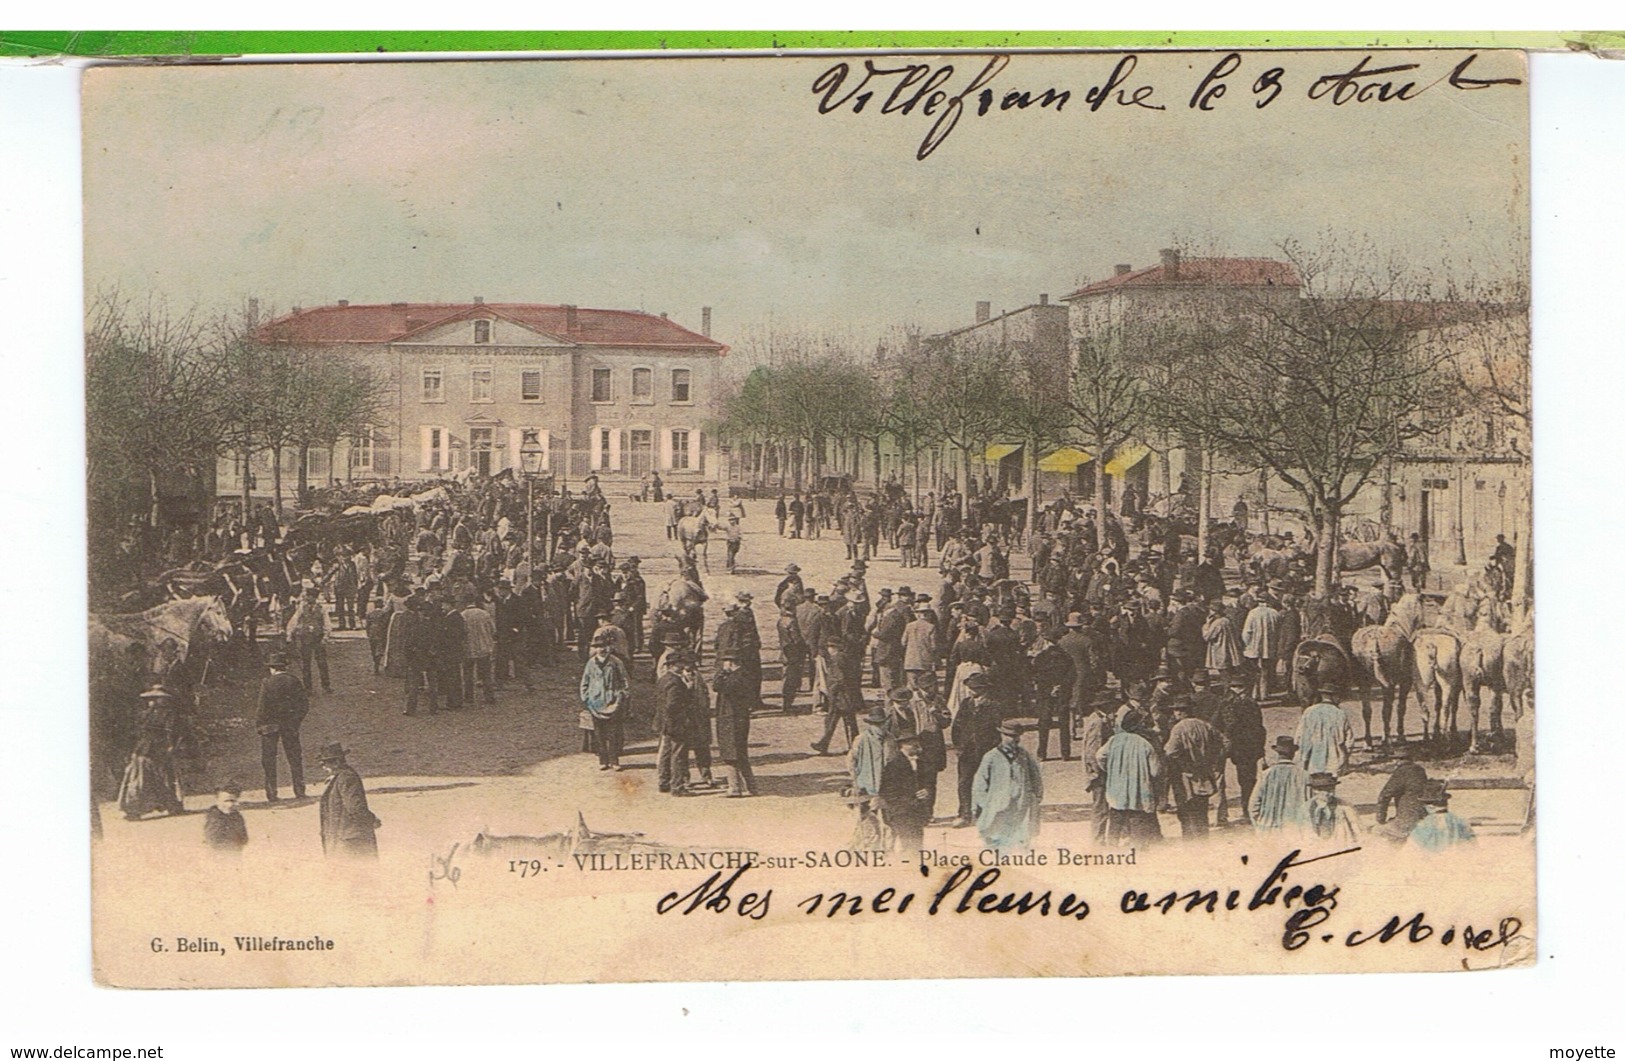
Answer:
(615, 392)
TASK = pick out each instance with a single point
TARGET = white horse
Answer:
(695, 531)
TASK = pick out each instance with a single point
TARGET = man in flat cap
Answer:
(1008, 792)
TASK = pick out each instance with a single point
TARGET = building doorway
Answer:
(643, 452)
(481, 450)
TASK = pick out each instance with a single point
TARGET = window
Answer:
(482, 331)
(434, 449)
(600, 385)
(433, 391)
(479, 385)
(679, 449)
(530, 385)
(605, 459)
(679, 384)
(643, 384)
(361, 453)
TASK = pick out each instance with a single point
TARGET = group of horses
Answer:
(1468, 650)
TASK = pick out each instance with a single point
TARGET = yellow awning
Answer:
(1126, 458)
(999, 450)
(1065, 460)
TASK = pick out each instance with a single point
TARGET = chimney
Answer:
(570, 320)
(1043, 300)
(479, 300)
(1170, 264)
(705, 321)
(663, 315)
(984, 310)
(1124, 270)
(344, 303)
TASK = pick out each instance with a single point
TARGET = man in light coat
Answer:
(1324, 736)
(1008, 793)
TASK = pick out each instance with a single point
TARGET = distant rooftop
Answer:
(1191, 272)
(398, 321)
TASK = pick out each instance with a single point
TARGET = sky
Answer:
(671, 184)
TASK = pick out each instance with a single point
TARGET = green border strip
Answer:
(204, 44)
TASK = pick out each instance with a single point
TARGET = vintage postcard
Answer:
(809, 516)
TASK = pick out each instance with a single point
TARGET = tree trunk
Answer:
(152, 498)
(248, 490)
(276, 480)
(1328, 535)
(1030, 460)
(304, 472)
(1204, 504)
(1100, 495)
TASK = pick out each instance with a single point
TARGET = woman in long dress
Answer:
(150, 781)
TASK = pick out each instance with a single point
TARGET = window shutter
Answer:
(694, 450)
(665, 449)
(546, 439)
(614, 448)
(516, 439)
(595, 448)
(426, 463)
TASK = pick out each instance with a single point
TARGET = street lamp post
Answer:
(530, 460)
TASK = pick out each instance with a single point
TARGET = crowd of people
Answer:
(1149, 666)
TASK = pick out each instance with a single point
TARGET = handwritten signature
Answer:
(441, 868)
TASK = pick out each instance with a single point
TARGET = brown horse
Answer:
(1317, 663)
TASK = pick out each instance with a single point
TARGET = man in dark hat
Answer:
(1402, 796)
(735, 698)
(890, 621)
(1325, 734)
(1095, 729)
(283, 705)
(1196, 754)
(868, 755)
(790, 583)
(1241, 721)
(1440, 828)
(1051, 676)
(1007, 794)
(1283, 793)
(348, 824)
(1327, 814)
(605, 688)
(975, 732)
(677, 702)
(1133, 767)
(905, 799)
(793, 649)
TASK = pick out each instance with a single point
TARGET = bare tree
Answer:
(1107, 401)
(150, 407)
(1320, 389)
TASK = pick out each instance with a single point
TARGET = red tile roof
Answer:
(386, 323)
(1225, 272)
